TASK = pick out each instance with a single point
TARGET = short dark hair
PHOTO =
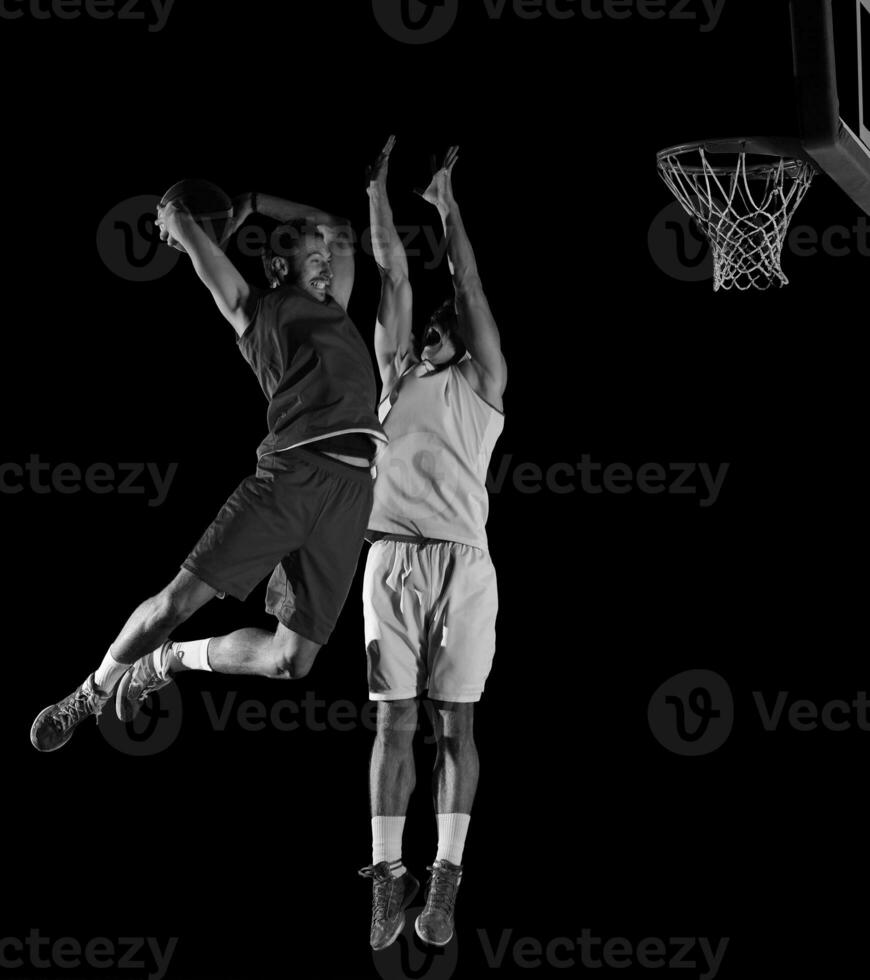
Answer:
(284, 242)
(445, 317)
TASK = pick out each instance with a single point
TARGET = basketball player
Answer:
(430, 596)
(304, 513)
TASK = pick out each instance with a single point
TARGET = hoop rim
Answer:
(789, 149)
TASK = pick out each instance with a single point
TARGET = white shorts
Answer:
(430, 613)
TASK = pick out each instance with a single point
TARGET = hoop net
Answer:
(743, 208)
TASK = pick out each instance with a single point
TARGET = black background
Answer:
(244, 845)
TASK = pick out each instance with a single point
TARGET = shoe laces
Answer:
(76, 708)
(383, 892)
(443, 884)
(148, 687)
(152, 681)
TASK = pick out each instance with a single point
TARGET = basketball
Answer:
(211, 208)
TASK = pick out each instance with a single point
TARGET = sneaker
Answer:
(138, 684)
(54, 726)
(390, 897)
(434, 924)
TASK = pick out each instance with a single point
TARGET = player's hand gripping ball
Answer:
(205, 202)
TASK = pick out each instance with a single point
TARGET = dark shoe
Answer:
(434, 924)
(390, 898)
(54, 726)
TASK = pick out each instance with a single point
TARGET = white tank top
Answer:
(431, 476)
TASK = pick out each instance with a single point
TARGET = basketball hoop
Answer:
(743, 194)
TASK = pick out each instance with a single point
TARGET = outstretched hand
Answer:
(440, 189)
(377, 172)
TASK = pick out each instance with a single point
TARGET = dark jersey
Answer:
(314, 368)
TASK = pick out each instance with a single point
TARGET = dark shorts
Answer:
(302, 517)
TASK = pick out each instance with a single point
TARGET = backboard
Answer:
(831, 40)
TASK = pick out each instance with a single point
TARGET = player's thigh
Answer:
(462, 639)
(263, 520)
(394, 619)
(320, 574)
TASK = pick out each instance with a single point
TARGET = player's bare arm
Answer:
(487, 370)
(337, 233)
(230, 291)
(393, 328)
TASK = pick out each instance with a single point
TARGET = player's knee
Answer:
(287, 666)
(453, 724)
(397, 720)
(179, 600)
(292, 659)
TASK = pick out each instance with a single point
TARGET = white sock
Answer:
(387, 842)
(184, 655)
(109, 673)
(452, 828)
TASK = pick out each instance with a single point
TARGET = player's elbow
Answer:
(396, 292)
(395, 279)
(339, 230)
(467, 283)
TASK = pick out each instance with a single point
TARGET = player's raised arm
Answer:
(337, 233)
(230, 291)
(477, 326)
(393, 328)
